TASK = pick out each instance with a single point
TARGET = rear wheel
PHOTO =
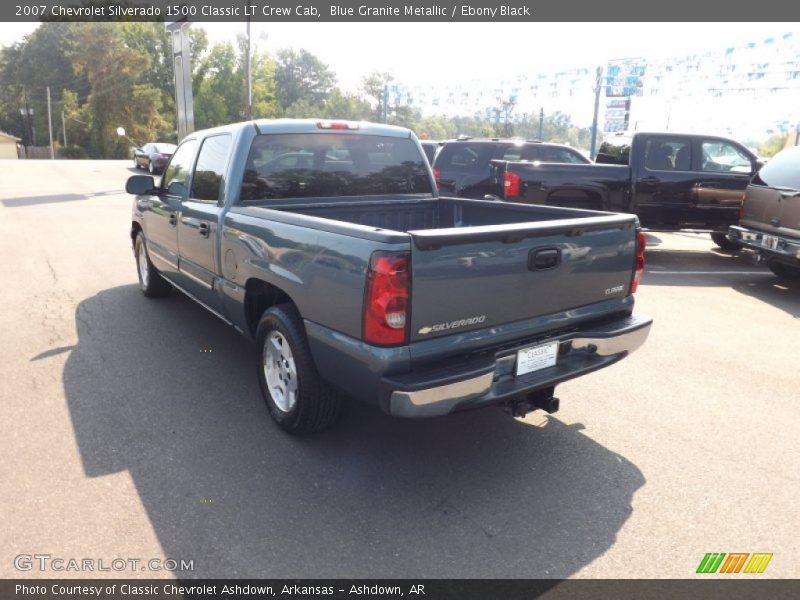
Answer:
(784, 271)
(152, 284)
(297, 399)
(721, 240)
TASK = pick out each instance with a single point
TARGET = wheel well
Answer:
(259, 296)
(135, 229)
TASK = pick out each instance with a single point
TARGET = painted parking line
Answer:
(708, 273)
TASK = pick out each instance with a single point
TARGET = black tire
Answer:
(720, 239)
(136, 163)
(316, 405)
(784, 271)
(152, 284)
(151, 168)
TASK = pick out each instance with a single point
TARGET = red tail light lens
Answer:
(437, 177)
(511, 184)
(386, 305)
(641, 244)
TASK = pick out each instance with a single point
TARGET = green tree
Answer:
(773, 145)
(299, 75)
(373, 86)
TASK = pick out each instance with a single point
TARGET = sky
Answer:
(439, 54)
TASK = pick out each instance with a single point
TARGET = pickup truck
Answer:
(769, 225)
(461, 167)
(326, 243)
(670, 181)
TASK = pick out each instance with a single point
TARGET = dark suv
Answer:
(462, 166)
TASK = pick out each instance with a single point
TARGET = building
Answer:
(8, 146)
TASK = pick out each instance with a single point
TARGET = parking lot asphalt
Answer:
(134, 428)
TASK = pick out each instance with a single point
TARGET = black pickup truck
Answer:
(670, 181)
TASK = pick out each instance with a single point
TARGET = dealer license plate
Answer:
(770, 241)
(536, 358)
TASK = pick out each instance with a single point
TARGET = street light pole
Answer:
(248, 83)
(597, 89)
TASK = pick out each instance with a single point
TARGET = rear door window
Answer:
(562, 155)
(668, 154)
(782, 171)
(208, 173)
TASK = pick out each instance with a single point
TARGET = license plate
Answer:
(536, 358)
(770, 241)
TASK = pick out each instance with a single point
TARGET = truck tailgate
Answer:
(477, 277)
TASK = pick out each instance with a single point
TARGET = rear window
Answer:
(614, 152)
(782, 170)
(464, 156)
(325, 164)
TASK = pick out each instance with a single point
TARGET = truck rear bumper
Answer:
(492, 380)
(785, 250)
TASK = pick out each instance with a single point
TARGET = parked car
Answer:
(430, 148)
(318, 266)
(461, 166)
(153, 157)
(671, 181)
(769, 225)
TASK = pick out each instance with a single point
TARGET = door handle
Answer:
(173, 219)
(203, 228)
(650, 179)
(541, 259)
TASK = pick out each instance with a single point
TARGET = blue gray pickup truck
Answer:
(327, 244)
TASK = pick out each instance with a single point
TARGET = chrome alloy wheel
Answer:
(280, 371)
(144, 271)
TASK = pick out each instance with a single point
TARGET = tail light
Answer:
(437, 177)
(511, 184)
(641, 244)
(386, 303)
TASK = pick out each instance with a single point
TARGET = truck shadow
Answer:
(716, 268)
(167, 392)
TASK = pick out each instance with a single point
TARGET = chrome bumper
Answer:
(752, 239)
(580, 352)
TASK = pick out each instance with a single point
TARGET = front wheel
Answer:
(152, 284)
(784, 271)
(150, 167)
(297, 399)
(721, 240)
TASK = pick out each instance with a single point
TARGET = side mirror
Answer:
(759, 164)
(140, 184)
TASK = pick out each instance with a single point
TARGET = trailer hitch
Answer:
(540, 399)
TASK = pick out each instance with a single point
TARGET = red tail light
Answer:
(641, 244)
(511, 184)
(437, 177)
(386, 305)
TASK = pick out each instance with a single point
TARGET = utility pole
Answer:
(50, 125)
(597, 88)
(541, 124)
(64, 128)
(248, 83)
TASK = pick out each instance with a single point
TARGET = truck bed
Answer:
(433, 213)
